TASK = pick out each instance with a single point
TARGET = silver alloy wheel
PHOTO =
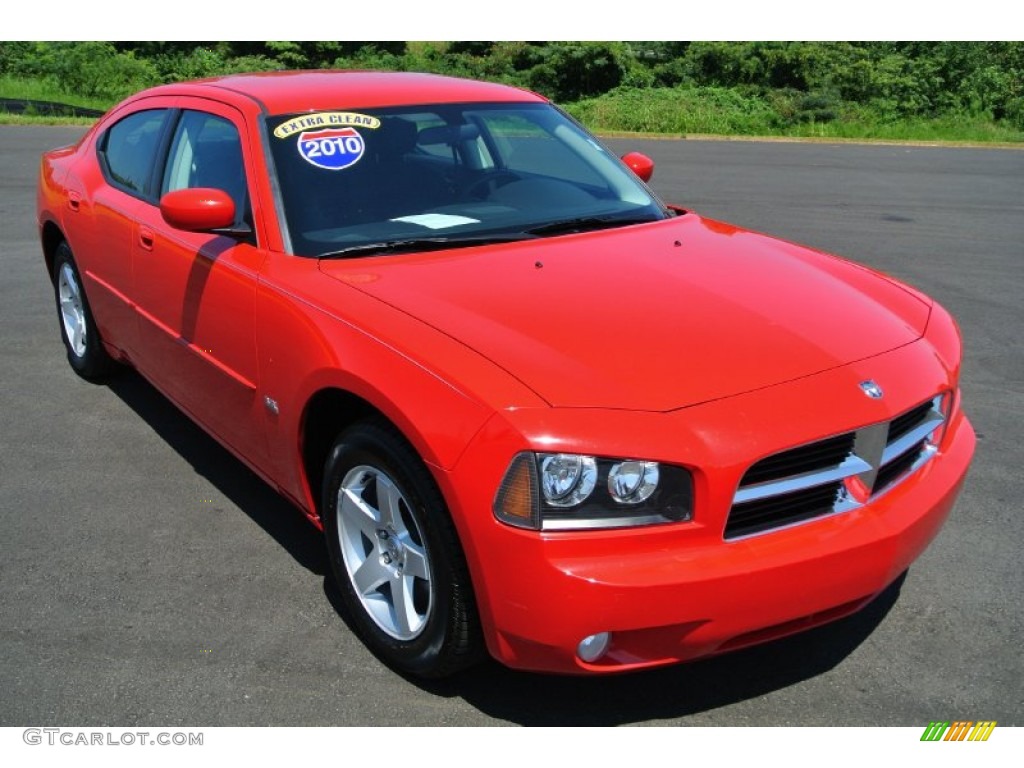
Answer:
(72, 310)
(384, 553)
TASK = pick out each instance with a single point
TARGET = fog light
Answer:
(593, 647)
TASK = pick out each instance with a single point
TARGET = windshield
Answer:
(366, 181)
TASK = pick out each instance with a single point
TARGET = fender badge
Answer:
(871, 389)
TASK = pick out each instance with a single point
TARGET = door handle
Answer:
(146, 238)
(74, 201)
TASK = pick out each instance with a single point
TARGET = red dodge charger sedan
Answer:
(536, 411)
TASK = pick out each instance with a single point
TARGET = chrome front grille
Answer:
(807, 458)
(837, 474)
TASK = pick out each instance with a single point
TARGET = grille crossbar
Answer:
(836, 474)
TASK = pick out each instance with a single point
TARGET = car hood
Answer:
(648, 317)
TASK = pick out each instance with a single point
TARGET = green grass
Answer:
(726, 112)
(966, 129)
(9, 119)
(43, 90)
(663, 110)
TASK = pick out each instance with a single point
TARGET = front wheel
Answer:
(86, 353)
(395, 554)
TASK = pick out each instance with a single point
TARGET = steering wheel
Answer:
(481, 188)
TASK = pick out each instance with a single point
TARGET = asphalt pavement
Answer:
(148, 578)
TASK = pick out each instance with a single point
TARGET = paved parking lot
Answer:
(147, 578)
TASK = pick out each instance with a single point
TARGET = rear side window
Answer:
(129, 149)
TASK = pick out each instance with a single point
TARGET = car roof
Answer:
(301, 91)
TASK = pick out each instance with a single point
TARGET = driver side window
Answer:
(206, 152)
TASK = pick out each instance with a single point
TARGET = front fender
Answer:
(314, 333)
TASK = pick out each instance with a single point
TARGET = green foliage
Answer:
(569, 71)
(291, 55)
(90, 69)
(13, 55)
(711, 110)
(738, 86)
(725, 111)
(895, 81)
(478, 48)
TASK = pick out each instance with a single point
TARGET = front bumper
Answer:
(679, 592)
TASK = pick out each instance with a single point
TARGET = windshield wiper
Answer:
(587, 224)
(412, 245)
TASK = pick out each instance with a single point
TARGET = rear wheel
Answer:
(85, 349)
(395, 554)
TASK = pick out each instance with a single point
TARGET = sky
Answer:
(521, 20)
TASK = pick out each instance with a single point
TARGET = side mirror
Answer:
(198, 210)
(639, 164)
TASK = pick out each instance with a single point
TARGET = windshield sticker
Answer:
(437, 220)
(333, 149)
(325, 120)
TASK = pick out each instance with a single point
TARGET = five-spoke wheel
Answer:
(72, 311)
(382, 547)
(78, 330)
(395, 555)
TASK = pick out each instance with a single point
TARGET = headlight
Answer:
(567, 479)
(633, 482)
(565, 491)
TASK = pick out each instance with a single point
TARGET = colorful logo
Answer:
(960, 730)
(332, 148)
(871, 389)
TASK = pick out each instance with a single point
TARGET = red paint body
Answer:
(685, 341)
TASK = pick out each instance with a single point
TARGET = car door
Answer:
(104, 197)
(195, 291)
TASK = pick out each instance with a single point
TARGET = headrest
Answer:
(447, 134)
(395, 137)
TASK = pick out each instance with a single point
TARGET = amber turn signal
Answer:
(516, 500)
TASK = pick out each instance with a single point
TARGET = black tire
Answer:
(415, 606)
(86, 354)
